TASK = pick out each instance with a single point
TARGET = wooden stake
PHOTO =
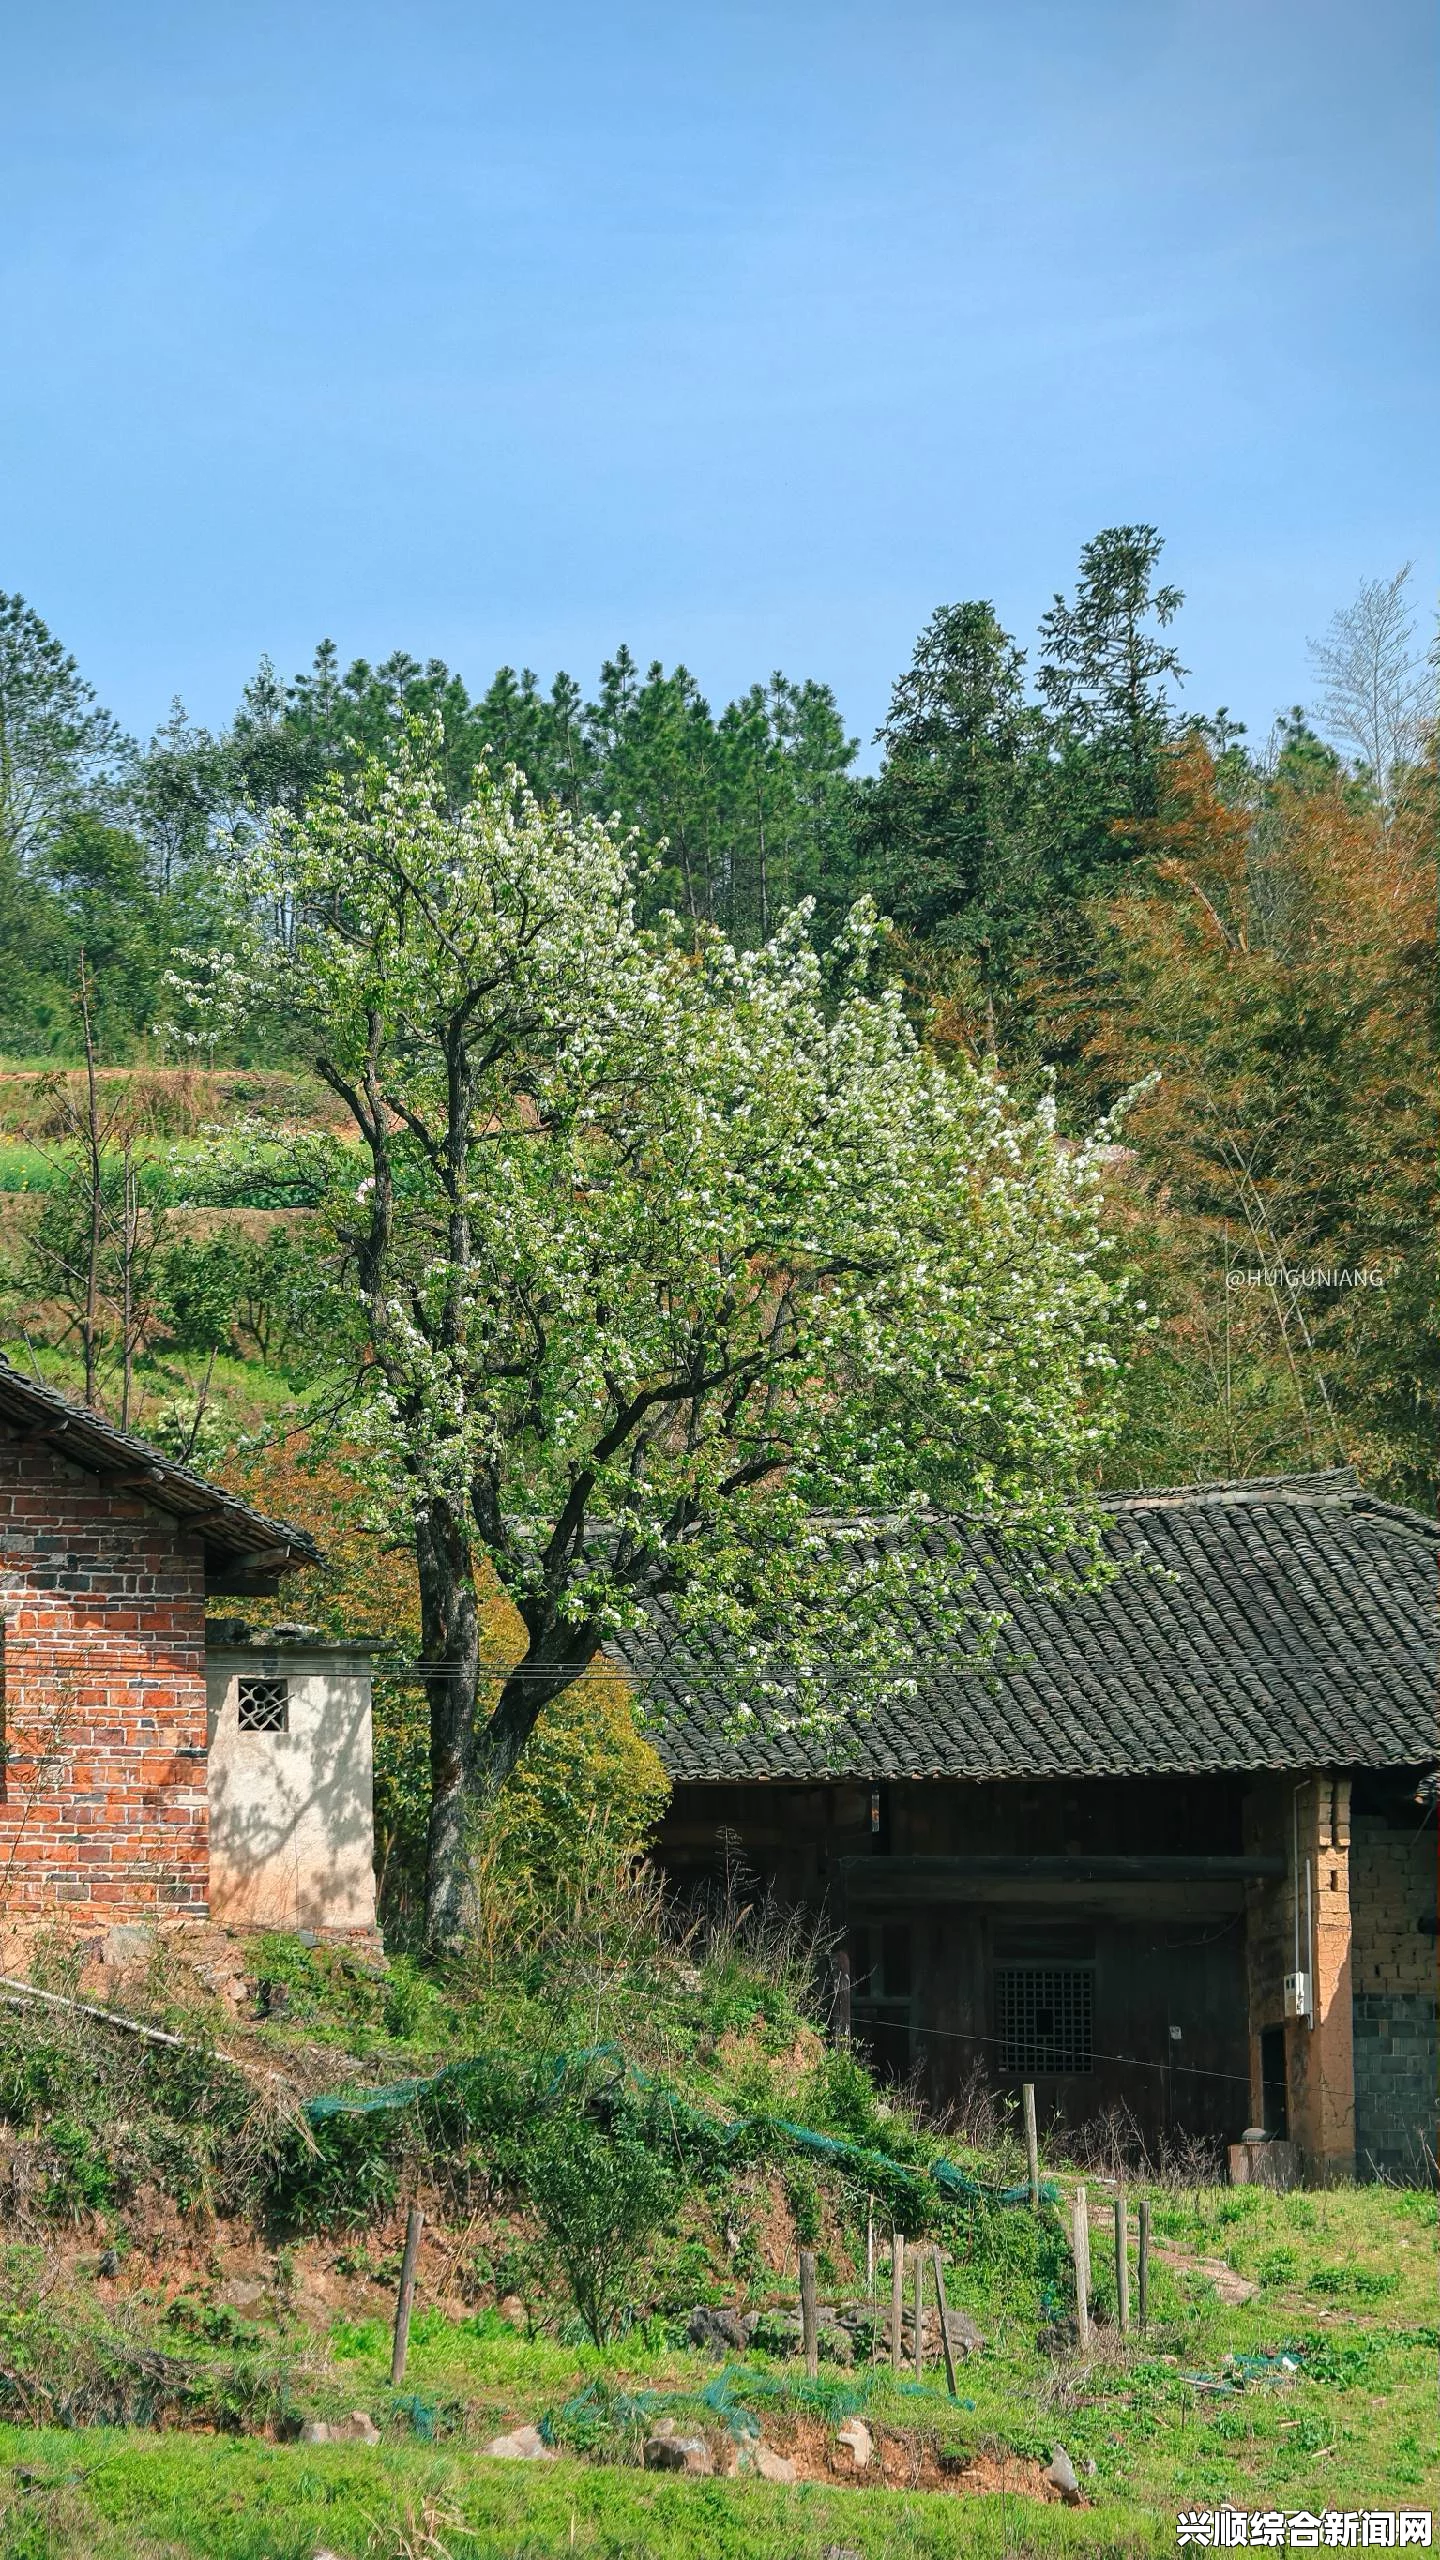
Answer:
(1032, 2143)
(870, 2246)
(936, 2262)
(809, 2325)
(1144, 2268)
(897, 2297)
(406, 2297)
(1122, 2259)
(842, 1998)
(919, 2315)
(1082, 2269)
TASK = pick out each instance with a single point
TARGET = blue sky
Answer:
(747, 334)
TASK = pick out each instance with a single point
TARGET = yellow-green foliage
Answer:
(582, 1800)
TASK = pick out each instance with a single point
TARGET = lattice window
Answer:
(1042, 2015)
(264, 1706)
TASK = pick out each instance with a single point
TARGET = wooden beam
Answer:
(920, 1879)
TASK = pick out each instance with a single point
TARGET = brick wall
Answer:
(1392, 1895)
(1307, 1822)
(102, 1618)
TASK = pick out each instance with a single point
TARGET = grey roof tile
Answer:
(1284, 1623)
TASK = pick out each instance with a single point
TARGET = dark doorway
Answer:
(883, 1997)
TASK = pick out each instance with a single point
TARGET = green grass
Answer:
(112, 2497)
(181, 1173)
(1354, 2429)
(1344, 2281)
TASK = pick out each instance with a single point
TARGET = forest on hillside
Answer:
(1089, 884)
(1098, 903)
(504, 1180)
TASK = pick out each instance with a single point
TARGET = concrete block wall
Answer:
(292, 1830)
(103, 1801)
(1393, 1970)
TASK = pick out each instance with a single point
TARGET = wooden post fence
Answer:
(944, 2310)
(404, 2301)
(1032, 2143)
(809, 2324)
(897, 2298)
(1082, 2268)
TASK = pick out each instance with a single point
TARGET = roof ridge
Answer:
(1324, 1484)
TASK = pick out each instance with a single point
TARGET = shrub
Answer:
(81, 2179)
(840, 2096)
(571, 1821)
(346, 2174)
(601, 2194)
(573, 1815)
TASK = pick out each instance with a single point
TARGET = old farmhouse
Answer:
(1172, 1850)
(161, 1763)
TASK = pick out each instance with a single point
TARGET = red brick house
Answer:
(109, 1553)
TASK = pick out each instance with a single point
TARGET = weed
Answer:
(1278, 2266)
(1353, 2284)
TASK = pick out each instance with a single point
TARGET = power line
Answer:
(1131, 2061)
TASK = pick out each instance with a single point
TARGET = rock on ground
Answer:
(523, 2444)
(358, 2428)
(769, 2465)
(1060, 2472)
(720, 2332)
(679, 2453)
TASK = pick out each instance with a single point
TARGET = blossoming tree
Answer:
(664, 1257)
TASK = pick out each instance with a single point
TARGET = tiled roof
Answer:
(230, 1528)
(1285, 1623)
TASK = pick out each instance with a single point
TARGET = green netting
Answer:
(873, 2169)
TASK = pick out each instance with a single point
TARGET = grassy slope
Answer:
(125, 2498)
(1358, 2431)
(1345, 2279)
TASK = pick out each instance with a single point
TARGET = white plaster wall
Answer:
(292, 1828)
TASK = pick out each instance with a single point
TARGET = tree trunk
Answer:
(470, 1760)
(450, 1644)
(552, 1665)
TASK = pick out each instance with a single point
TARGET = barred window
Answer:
(264, 1706)
(1042, 2015)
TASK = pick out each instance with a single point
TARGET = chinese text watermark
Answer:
(1353, 2529)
